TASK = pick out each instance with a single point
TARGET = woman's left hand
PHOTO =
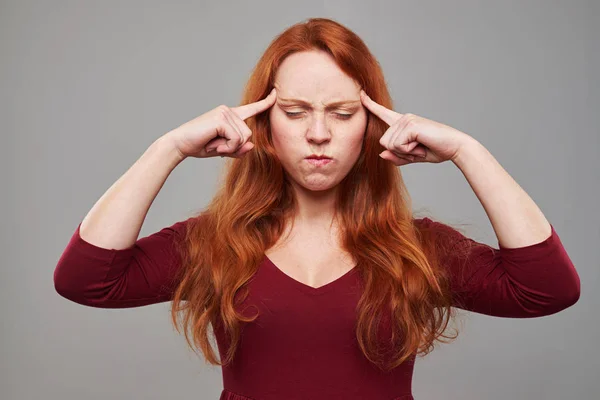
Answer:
(411, 138)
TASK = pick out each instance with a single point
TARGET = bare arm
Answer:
(105, 264)
(114, 222)
(116, 219)
(515, 217)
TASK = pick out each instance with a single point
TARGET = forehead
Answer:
(315, 77)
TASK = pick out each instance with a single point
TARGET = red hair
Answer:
(397, 260)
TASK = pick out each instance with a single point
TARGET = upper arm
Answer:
(140, 275)
(529, 281)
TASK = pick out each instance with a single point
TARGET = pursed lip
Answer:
(318, 157)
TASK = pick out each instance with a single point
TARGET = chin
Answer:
(319, 185)
(319, 189)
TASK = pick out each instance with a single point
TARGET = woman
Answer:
(308, 263)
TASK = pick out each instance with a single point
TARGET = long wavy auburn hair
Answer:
(398, 260)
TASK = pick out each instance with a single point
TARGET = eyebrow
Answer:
(330, 105)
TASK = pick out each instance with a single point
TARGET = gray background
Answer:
(87, 86)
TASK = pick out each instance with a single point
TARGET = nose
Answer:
(318, 131)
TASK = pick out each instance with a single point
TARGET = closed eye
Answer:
(340, 115)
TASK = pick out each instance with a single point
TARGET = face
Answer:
(318, 111)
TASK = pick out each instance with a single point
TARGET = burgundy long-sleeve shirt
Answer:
(303, 344)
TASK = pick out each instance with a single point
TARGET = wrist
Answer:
(467, 149)
(167, 145)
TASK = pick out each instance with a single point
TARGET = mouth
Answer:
(318, 160)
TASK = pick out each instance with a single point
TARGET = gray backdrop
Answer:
(87, 86)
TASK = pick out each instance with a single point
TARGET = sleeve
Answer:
(524, 282)
(109, 278)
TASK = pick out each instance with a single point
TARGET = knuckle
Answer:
(220, 116)
(411, 123)
(222, 110)
(412, 118)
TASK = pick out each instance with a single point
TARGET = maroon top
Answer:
(303, 344)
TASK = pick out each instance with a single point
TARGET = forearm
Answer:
(516, 219)
(116, 219)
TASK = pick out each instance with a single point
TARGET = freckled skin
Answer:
(314, 77)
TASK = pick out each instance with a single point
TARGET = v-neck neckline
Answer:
(307, 288)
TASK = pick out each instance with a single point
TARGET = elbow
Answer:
(567, 297)
(77, 296)
(551, 302)
(71, 288)
(61, 284)
(569, 289)
(567, 292)
(571, 295)
(67, 290)
(572, 289)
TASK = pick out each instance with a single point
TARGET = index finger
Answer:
(248, 110)
(388, 116)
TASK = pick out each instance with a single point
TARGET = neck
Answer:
(314, 207)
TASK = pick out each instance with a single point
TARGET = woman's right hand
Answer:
(220, 131)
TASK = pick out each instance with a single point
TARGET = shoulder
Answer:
(180, 227)
(440, 232)
(426, 223)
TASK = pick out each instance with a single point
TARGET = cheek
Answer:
(277, 127)
(282, 133)
(355, 132)
(279, 121)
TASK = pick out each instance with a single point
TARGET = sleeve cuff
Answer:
(535, 250)
(92, 251)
